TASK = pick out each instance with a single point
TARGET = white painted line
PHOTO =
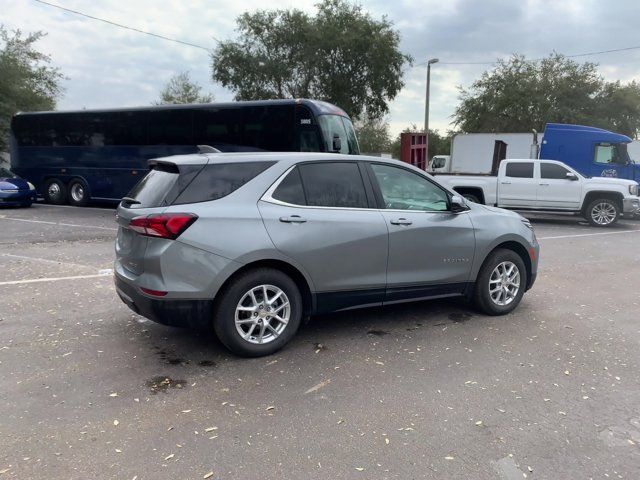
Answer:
(47, 205)
(44, 260)
(588, 234)
(56, 279)
(58, 224)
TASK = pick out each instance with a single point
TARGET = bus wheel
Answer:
(78, 193)
(55, 191)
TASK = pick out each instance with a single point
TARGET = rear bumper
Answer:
(195, 314)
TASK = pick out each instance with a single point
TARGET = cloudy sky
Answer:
(109, 66)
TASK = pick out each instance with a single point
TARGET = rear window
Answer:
(519, 170)
(218, 180)
(162, 185)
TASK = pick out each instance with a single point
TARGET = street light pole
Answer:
(426, 106)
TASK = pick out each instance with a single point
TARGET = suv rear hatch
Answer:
(157, 190)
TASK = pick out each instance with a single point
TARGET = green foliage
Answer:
(519, 94)
(341, 55)
(181, 89)
(27, 81)
(438, 144)
(373, 135)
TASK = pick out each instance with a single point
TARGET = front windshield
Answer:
(6, 173)
(337, 126)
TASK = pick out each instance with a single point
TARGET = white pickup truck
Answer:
(552, 186)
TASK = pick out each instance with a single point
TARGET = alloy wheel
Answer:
(504, 283)
(603, 213)
(262, 314)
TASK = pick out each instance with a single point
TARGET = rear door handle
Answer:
(401, 221)
(544, 184)
(293, 219)
(505, 183)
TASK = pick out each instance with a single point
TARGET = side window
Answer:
(519, 170)
(405, 190)
(217, 180)
(604, 153)
(333, 184)
(290, 189)
(170, 127)
(553, 171)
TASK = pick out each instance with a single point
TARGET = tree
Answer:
(341, 55)
(373, 135)
(519, 94)
(438, 144)
(28, 82)
(181, 89)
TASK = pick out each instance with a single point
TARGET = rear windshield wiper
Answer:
(130, 201)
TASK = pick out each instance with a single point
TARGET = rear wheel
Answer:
(55, 191)
(79, 193)
(258, 313)
(602, 212)
(501, 282)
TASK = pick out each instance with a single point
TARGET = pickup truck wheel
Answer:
(258, 313)
(602, 212)
(501, 282)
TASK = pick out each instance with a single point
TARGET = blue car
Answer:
(15, 191)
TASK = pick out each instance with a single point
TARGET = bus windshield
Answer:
(337, 125)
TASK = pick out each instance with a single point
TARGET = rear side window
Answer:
(553, 171)
(519, 169)
(290, 189)
(334, 184)
(217, 180)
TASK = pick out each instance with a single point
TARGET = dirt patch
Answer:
(162, 383)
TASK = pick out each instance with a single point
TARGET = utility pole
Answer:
(426, 105)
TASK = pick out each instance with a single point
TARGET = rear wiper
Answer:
(130, 201)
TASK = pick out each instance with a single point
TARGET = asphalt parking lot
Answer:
(427, 390)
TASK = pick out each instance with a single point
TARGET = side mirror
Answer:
(572, 176)
(337, 143)
(458, 204)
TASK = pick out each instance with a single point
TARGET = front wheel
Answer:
(602, 212)
(258, 313)
(501, 282)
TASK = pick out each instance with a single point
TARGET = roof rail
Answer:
(207, 149)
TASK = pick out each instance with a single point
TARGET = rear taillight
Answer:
(162, 225)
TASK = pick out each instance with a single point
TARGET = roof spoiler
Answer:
(207, 149)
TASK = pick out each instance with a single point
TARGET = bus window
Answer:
(170, 127)
(220, 128)
(270, 128)
(354, 148)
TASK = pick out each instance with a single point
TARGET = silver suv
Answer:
(249, 244)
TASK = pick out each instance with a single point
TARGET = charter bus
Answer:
(85, 155)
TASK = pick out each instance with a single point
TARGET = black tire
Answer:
(26, 204)
(471, 197)
(482, 296)
(602, 204)
(78, 195)
(225, 312)
(55, 192)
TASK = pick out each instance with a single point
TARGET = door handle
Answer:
(543, 184)
(505, 183)
(293, 219)
(401, 221)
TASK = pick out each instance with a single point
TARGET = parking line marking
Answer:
(105, 273)
(589, 234)
(58, 224)
(45, 260)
